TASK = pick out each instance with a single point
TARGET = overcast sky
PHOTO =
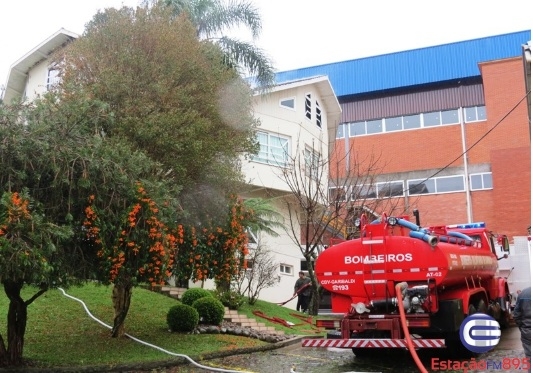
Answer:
(296, 33)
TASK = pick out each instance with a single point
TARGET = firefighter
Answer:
(522, 317)
(302, 288)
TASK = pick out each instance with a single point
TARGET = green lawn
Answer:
(60, 333)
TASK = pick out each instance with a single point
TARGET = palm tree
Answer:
(212, 17)
(262, 216)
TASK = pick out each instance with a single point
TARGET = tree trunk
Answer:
(16, 325)
(314, 302)
(121, 304)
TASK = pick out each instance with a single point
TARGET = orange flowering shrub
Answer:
(139, 249)
(27, 242)
(212, 252)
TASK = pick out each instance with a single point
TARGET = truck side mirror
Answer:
(505, 244)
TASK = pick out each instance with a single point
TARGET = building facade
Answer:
(449, 125)
(296, 118)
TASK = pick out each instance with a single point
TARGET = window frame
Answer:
(270, 157)
(481, 174)
(293, 99)
(283, 266)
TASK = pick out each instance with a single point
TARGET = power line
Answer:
(477, 142)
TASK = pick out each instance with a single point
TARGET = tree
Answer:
(261, 216)
(259, 272)
(212, 17)
(213, 251)
(322, 205)
(136, 248)
(170, 96)
(31, 254)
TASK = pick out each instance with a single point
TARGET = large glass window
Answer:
(450, 184)
(374, 126)
(393, 124)
(411, 121)
(421, 186)
(481, 181)
(431, 119)
(475, 113)
(450, 116)
(337, 194)
(341, 131)
(273, 149)
(390, 189)
(445, 184)
(363, 191)
(357, 128)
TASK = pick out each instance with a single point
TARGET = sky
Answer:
(295, 33)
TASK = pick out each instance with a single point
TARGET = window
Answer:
(475, 113)
(450, 184)
(363, 191)
(308, 106)
(374, 126)
(393, 124)
(318, 115)
(420, 186)
(450, 116)
(273, 149)
(287, 103)
(52, 78)
(357, 128)
(431, 119)
(481, 181)
(285, 269)
(390, 189)
(312, 163)
(341, 131)
(445, 184)
(337, 194)
(411, 121)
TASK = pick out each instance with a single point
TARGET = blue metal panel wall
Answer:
(414, 67)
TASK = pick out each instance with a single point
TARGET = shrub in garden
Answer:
(231, 299)
(182, 318)
(194, 294)
(210, 309)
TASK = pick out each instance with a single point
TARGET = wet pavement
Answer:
(506, 357)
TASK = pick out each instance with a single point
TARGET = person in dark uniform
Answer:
(522, 318)
(302, 288)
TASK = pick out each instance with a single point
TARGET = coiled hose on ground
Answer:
(151, 345)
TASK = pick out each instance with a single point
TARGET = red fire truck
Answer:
(401, 285)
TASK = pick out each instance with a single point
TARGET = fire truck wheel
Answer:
(471, 309)
(482, 307)
(504, 319)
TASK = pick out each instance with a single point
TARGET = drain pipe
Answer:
(212, 369)
(399, 287)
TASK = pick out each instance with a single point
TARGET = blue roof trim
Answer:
(414, 67)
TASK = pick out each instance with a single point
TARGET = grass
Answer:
(60, 333)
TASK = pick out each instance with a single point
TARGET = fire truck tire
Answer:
(504, 319)
(482, 307)
(471, 309)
